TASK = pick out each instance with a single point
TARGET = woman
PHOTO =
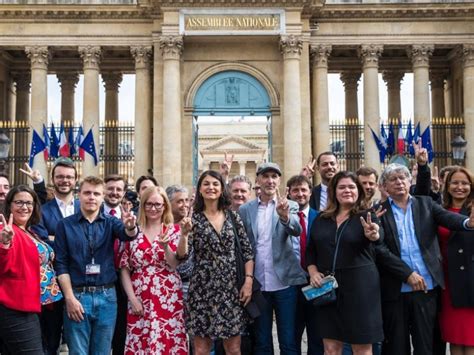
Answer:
(457, 249)
(215, 307)
(155, 319)
(28, 279)
(355, 317)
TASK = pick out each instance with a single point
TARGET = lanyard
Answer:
(88, 228)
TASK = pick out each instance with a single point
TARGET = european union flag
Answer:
(72, 142)
(417, 133)
(391, 140)
(54, 147)
(426, 143)
(380, 146)
(409, 139)
(89, 146)
(37, 146)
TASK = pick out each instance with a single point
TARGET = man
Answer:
(299, 190)
(270, 221)
(4, 188)
(115, 188)
(86, 272)
(368, 179)
(240, 188)
(410, 263)
(327, 166)
(179, 200)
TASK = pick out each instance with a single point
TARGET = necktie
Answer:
(302, 239)
(113, 212)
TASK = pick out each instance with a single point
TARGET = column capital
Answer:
(22, 80)
(437, 78)
(171, 47)
(291, 46)
(142, 55)
(111, 80)
(319, 54)
(350, 79)
(467, 53)
(91, 56)
(420, 54)
(68, 80)
(38, 56)
(393, 78)
(370, 54)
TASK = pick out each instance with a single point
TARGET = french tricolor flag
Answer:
(400, 139)
(63, 143)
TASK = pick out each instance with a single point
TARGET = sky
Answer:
(127, 98)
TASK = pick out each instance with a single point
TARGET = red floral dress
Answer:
(161, 329)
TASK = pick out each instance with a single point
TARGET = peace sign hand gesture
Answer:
(308, 169)
(186, 226)
(421, 154)
(282, 206)
(7, 233)
(34, 175)
(129, 220)
(226, 165)
(164, 238)
(371, 229)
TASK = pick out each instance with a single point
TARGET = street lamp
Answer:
(458, 145)
(4, 150)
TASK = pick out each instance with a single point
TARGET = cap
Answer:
(64, 161)
(263, 168)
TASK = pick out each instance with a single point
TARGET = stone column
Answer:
(437, 78)
(468, 81)
(22, 117)
(370, 55)
(172, 48)
(242, 167)
(39, 58)
(68, 82)
(143, 109)
(291, 47)
(111, 139)
(91, 56)
(351, 82)
(393, 80)
(320, 102)
(420, 56)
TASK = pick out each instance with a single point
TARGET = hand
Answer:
(308, 169)
(7, 233)
(371, 229)
(34, 175)
(186, 225)
(470, 223)
(380, 211)
(435, 184)
(282, 206)
(225, 166)
(136, 307)
(164, 238)
(315, 279)
(129, 220)
(74, 309)
(417, 282)
(245, 295)
(414, 173)
(421, 154)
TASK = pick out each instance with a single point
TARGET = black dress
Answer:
(356, 317)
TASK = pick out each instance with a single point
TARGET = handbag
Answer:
(257, 300)
(331, 295)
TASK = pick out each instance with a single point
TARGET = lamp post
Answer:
(4, 150)
(458, 146)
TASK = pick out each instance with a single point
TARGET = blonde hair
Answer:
(167, 217)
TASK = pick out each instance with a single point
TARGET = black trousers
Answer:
(20, 332)
(306, 315)
(120, 332)
(415, 314)
(51, 320)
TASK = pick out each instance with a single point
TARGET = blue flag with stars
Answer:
(426, 143)
(89, 146)
(37, 146)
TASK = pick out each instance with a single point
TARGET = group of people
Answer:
(154, 271)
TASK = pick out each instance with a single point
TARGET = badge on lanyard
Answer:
(92, 268)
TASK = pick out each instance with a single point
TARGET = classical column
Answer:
(143, 109)
(22, 117)
(437, 78)
(39, 58)
(91, 59)
(242, 167)
(393, 80)
(420, 56)
(350, 81)
(320, 102)
(291, 47)
(171, 48)
(370, 55)
(68, 82)
(468, 81)
(111, 139)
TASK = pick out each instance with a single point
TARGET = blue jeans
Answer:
(284, 304)
(94, 334)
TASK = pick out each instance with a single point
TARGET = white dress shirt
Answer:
(67, 209)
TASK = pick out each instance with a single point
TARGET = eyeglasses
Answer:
(20, 204)
(150, 205)
(462, 183)
(64, 177)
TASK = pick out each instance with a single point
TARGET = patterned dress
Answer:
(213, 308)
(161, 329)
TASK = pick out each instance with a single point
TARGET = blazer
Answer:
(285, 262)
(311, 217)
(315, 199)
(427, 215)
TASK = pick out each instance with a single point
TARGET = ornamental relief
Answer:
(39, 56)
(320, 54)
(370, 54)
(91, 56)
(291, 45)
(420, 54)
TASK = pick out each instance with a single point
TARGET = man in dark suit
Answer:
(327, 166)
(299, 190)
(410, 263)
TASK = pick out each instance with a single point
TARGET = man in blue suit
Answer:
(270, 222)
(299, 190)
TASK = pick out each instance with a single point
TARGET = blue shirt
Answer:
(409, 247)
(78, 241)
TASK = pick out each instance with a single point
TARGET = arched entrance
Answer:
(231, 97)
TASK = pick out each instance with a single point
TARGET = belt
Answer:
(93, 288)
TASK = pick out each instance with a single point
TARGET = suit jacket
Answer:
(427, 215)
(285, 262)
(314, 201)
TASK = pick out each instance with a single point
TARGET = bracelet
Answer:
(248, 275)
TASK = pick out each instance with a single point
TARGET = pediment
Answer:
(232, 143)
